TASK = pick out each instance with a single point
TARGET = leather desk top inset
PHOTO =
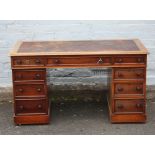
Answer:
(93, 47)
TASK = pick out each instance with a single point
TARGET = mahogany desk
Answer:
(126, 59)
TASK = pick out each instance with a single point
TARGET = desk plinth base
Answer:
(134, 118)
(32, 119)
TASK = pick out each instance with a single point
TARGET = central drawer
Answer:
(128, 88)
(30, 89)
(79, 60)
(31, 106)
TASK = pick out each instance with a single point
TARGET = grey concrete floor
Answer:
(76, 118)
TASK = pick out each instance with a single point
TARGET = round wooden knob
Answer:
(138, 105)
(120, 74)
(21, 107)
(19, 62)
(38, 89)
(120, 89)
(120, 106)
(38, 76)
(138, 88)
(139, 59)
(20, 90)
(39, 106)
(56, 61)
(139, 74)
(19, 76)
(38, 61)
(120, 60)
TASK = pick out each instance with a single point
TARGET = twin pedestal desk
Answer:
(126, 60)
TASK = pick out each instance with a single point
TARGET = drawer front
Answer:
(83, 60)
(129, 106)
(135, 73)
(31, 106)
(129, 60)
(27, 61)
(29, 75)
(29, 90)
(128, 88)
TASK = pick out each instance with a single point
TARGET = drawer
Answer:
(27, 61)
(31, 106)
(129, 88)
(79, 60)
(129, 106)
(129, 59)
(29, 75)
(30, 89)
(134, 73)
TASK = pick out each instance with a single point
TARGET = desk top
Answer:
(85, 47)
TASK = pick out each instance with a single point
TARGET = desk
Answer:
(126, 59)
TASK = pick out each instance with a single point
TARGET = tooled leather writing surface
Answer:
(76, 46)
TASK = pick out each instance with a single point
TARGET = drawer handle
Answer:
(39, 106)
(20, 76)
(21, 107)
(19, 62)
(56, 61)
(38, 76)
(138, 88)
(139, 74)
(139, 59)
(120, 106)
(120, 60)
(120, 74)
(38, 61)
(21, 90)
(38, 89)
(100, 61)
(120, 89)
(139, 105)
